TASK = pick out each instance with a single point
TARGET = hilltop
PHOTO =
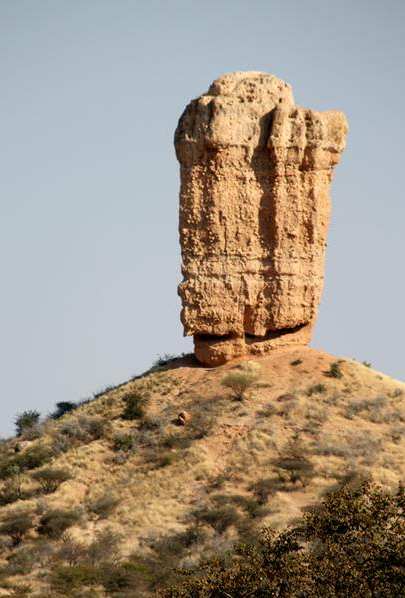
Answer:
(174, 465)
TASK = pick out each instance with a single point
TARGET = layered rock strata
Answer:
(254, 213)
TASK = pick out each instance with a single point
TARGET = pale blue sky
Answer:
(91, 92)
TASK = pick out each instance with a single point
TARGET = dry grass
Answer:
(232, 467)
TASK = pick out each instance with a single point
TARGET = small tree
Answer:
(25, 420)
(134, 406)
(62, 408)
(16, 525)
(105, 547)
(35, 456)
(71, 551)
(50, 479)
(104, 505)
(54, 522)
(12, 487)
(335, 370)
(350, 545)
(123, 442)
(239, 382)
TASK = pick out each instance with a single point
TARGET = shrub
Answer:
(64, 578)
(316, 389)
(163, 360)
(84, 428)
(25, 558)
(263, 489)
(34, 457)
(51, 478)
(352, 544)
(21, 590)
(105, 547)
(123, 442)
(93, 426)
(71, 551)
(32, 432)
(219, 518)
(54, 522)
(62, 408)
(135, 405)
(16, 525)
(117, 577)
(239, 383)
(298, 468)
(25, 420)
(104, 505)
(335, 370)
(251, 506)
(11, 490)
(176, 441)
(165, 459)
(175, 544)
(114, 577)
(151, 423)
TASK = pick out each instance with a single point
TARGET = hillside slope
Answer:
(166, 491)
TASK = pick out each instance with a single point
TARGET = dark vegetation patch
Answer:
(135, 405)
(351, 544)
(316, 389)
(26, 420)
(335, 370)
(296, 362)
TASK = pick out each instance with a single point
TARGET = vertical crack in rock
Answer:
(254, 211)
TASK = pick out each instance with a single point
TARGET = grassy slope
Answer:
(236, 464)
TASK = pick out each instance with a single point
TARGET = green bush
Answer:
(23, 560)
(298, 468)
(316, 389)
(105, 547)
(11, 490)
(123, 442)
(33, 457)
(54, 522)
(150, 423)
(263, 489)
(104, 505)
(239, 383)
(16, 525)
(25, 420)
(219, 518)
(114, 577)
(350, 545)
(118, 577)
(62, 408)
(335, 370)
(165, 459)
(135, 405)
(51, 478)
(65, 578)
(71, 551)
(83, 428)
(163, 360)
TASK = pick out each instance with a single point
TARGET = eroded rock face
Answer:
(254, 214)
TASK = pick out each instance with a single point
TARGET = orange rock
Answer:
(254, 214)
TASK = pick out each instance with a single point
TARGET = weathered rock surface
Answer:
(254, 214)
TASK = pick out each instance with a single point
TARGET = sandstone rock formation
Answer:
(254, 213)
